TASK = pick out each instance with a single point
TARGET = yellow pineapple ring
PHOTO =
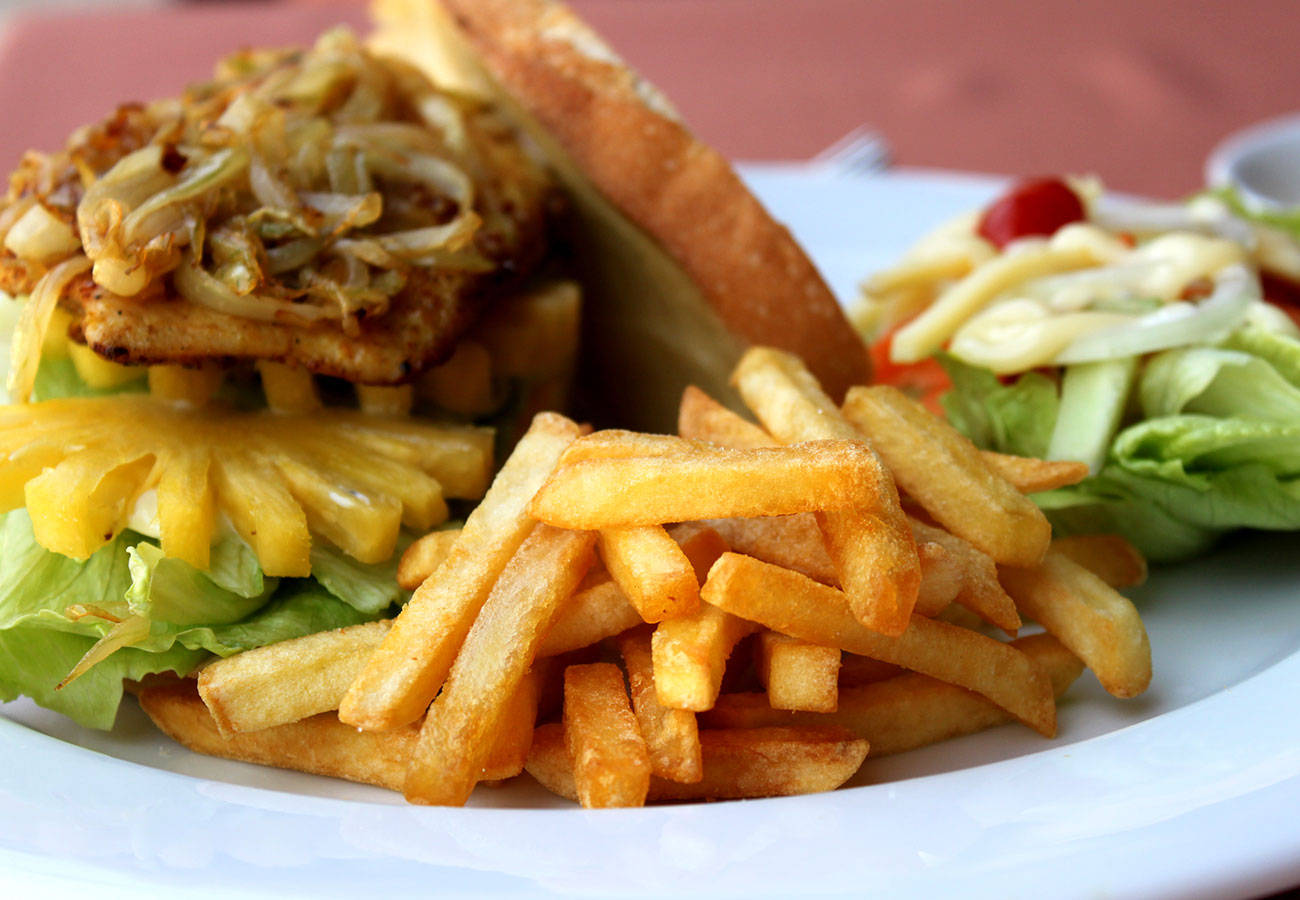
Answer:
(80, 465)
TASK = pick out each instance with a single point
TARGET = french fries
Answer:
(704, 419)
(1029, 475)
(597, 610)
(755, 762)
(793, 604)
(411, 664)
(1099, 625)
(1108, 556)
(650, 567)
(611, 766)
(798, 674)
(942, 470)
(464, 720)
(422, 558)
(288, 680)
(671, 735)
(320, 745)
(902, 712)
(792, 532)
(706, 482)
(872, 547)
(690, 656)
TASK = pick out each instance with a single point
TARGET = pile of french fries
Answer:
(740, 610)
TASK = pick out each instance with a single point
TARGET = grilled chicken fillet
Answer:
(327, 209)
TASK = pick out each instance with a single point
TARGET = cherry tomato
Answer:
(1283, 294)
(1036, 207)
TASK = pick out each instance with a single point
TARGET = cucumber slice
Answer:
(1093, 398)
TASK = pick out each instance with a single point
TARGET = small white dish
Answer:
(1262, 162)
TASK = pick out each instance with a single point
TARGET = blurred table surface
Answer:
(1137, 92)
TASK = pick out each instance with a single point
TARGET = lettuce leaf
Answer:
(368, 588)
(1017, 417)
(189, 615)
(1215, 446)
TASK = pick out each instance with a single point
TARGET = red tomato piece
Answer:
(925, 381)
(1283, 294)
(1036, 207)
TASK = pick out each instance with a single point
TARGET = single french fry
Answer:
(942, 470)
(705, 482)
(510, 749)
(702, 418)
(1099, 625)
(755, 762)
(1029, 475)
(650, 567)
(795, 542)
(615, 443)
(422, 558)
(905, 712)
(792, 542)
(701, 544)
(320, 745)
(288, 680)
(1108, 556)
(943, 575)
(597, 610)
(872, 546)
(793, 604)
(410, 666)
(671, 736)
(611, 766)
(464, 720)
(856, 670)
(798, 674)
(690, 656)
(981, 592)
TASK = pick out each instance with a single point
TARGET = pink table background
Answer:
(1137, 91)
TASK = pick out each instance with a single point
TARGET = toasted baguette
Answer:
(683, 266)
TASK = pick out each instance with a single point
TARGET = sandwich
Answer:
(1157, 343)
(268, 332)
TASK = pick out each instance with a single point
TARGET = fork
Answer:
(863, 151)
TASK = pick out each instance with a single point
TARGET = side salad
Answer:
(1158, 343)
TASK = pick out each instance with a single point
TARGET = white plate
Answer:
(1188, 792)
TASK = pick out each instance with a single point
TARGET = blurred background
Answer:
(1137, 92)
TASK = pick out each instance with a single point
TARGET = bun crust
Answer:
(624, 139)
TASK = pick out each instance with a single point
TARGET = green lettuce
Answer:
(54, 610)
(1214, 445)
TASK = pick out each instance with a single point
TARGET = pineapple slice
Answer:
(380, 400)
(100, 373)
(185, 508)
(263, 511)
(288, 389)
(182, 386)
(81, 464)
(82, 503)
